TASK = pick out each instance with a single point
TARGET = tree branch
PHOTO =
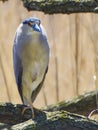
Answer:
(82, 105)
(51, 117)
(62, 6)
(59, 121)
(3, 0)
(11, 119)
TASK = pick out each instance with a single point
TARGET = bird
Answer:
(30, 59)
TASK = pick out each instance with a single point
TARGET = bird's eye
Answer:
(31, 24)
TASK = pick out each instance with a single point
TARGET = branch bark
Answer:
(82, 105)
(11, 119)
(52, 117)
(62, 6)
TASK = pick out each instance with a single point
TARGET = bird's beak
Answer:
(36, 28)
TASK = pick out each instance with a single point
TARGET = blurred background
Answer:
(73, 65)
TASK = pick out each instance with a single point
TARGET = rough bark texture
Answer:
(62, 6)
(11, 118)
(82, 105)
(52, 117)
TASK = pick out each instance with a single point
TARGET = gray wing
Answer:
(17, 67)
(36, 91)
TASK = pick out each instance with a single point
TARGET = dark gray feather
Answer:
(36, 91)
(17, 69)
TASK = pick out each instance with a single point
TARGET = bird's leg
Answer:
(30, 106)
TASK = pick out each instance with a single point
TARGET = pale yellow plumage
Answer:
(33, 70)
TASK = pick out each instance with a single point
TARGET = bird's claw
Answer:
(26, 108)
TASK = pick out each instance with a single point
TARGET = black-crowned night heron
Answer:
(31, 59)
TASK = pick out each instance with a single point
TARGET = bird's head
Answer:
(33, 23)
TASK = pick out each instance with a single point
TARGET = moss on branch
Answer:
(57, 120)
(82, 105)
(52, 117)
(62, 6)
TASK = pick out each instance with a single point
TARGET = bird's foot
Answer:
(26, 108)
